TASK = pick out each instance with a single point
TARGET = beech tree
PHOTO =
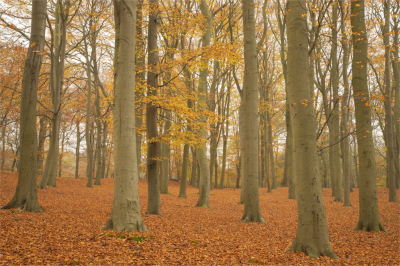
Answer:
(252, 212)
(125, 215)
(25, 197)
(369, 213)
(312, 231)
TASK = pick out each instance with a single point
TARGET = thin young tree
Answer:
(25, 197)
(125, 215)
(312, 231)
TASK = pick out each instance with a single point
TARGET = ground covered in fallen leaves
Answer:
(69, 231)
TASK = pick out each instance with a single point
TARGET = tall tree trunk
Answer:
(396, 77)
(194, 166)
(369, 213)
(140, 79)
(345, 107)
(88, 132)
(252, 212)
(225, 136)
(125, 215)
(389, 126)
(59, 40)
(104, 150)
(271, 148)
(98, 112)
(214, 130)
(25, 197)
(335, 111)
(42, 139)
(153, 150)
(312, 231)
(61, 155)
(78, 144)
(204, 178)
(185, 164)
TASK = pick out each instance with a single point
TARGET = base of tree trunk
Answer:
(202, 205)
(126, 228)
(252, 218)
(347, 204)
(182, 196)
(23, 205)
(312, 250)
(370, 227)
(155, 211)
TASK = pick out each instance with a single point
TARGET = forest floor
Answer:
(69, 231)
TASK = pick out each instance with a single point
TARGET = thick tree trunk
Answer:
(369, 213)
(252, 212)
(125, 215)
(204, 178)
(25, 197)
(312, 232)
(153, 149)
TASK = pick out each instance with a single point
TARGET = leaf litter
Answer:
(69, 231)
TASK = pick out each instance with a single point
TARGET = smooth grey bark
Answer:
(194, 166)
(78, 144)
(312, 231)
(61, 155)
(98, 112)
(25, 197)
(396, 107)
(389, 125)
(185, 166)
(252, 212)
(335, 111)
(59, 40)
(204, 177)
(289, 152)
(103, 150)
(88, 131)
(345, 107)
(42, 139)
(225, 143)
(153, 149)
(213, 127)
(369, 213)
(125, 215)
(140, 79)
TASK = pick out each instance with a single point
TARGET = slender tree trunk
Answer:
(389, 126)
(252, 212)
(25, 197)
(153, 150)
(140, 79)
(345, 107)
(78, 144)
(204, 178)
(98, 113)
(335, 111)
(56, 84)
(185, 164)
(125, 215)
(225, 136)
(396, 117)
(103, 151)
(312, 231)
(194, 166)
(369, 213)
(61, 155)
(42, 139)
